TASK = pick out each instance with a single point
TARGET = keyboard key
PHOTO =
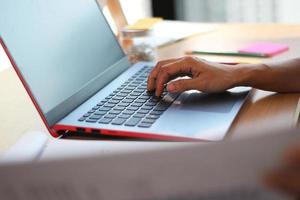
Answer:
(126, 91)
(124, 104)
(134, 84)
(139, 115)
(110, 116)
(162, 106)
(118, 121)
(127, 101)
(152, 116)
(117, 98)
(143, 111)
(154, 99)
(114, 101)
(87, 115)
(104, 101)
(132, 121)
(143, 88)
(147, 107)
(140, 100)
(97, 117)
(130, 88)
(131, 97)
(110, 96)
(140, 91)
(136, 104)
(115, 112)
(148, 94)
(144, 97)
(148, 121)
(91, 120)
(96, 107)
(104, 109)
(82, 119)
(135, 94)
(124, 116)
(128, 112)
(105, 121)
(107, 98)
(150, 104)
(110, 105)
(144, 125)
(133, 108)
(91, 111)
(100, 112)
(122, 95)
(100, 104)
(119, 108)
(118, 89)
(156, 113)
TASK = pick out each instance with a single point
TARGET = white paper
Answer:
(167, 31)
(70, 148)
(230, 170)
(28, 148)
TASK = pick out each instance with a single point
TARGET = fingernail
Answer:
(171, 88)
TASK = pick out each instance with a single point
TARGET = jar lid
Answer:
(134, 32)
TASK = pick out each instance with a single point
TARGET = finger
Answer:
(286, 180)
(153, 74)
(183, 85)
(178, 68)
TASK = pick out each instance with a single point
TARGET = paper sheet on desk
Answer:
(222, 171)
(69, 148)
(168, 31)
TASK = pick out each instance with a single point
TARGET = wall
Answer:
(283, 11)
(136, 9)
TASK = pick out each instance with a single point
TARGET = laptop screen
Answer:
(64, 50)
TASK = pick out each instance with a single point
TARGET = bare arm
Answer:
(278, 77)
(214, 77)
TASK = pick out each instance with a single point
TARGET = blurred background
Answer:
(235, 11)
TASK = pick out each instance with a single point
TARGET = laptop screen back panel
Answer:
(64, 51)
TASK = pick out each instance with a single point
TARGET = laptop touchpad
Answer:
(220, 103)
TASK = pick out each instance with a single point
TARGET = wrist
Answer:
(249, 75)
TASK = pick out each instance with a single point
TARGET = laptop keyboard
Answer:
(130, 104)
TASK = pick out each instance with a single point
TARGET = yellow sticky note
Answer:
(144, 24)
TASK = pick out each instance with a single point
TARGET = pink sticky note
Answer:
(269, 49)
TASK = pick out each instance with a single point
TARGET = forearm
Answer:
(279, 77)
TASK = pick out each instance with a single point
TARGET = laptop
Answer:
(80, 80)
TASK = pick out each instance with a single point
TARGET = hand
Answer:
(203, 76)
(287, 178)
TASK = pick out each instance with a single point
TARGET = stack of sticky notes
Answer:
(144, 24)
(267, 49)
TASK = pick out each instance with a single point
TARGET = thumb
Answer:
(182, 85)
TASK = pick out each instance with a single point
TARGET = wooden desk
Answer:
(262, 109)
